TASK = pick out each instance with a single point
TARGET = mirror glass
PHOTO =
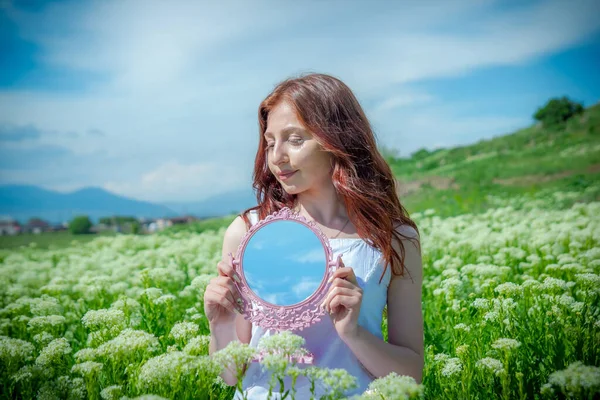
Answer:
(284, 262)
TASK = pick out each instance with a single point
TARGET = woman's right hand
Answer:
(221, 302)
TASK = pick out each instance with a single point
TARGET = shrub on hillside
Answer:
(557, 111)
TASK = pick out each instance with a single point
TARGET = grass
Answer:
(574, 147)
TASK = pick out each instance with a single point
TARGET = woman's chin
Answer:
(290, 189)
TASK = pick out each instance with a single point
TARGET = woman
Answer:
(317, 155)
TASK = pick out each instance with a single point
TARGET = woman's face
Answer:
(291, 148)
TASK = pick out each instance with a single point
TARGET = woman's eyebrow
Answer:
(287, 130)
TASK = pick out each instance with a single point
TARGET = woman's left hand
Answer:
(343, 301)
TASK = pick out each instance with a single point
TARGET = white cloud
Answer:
(311, 256)
(399, 101)
(437, 126)
(188, 182)
(183, 80)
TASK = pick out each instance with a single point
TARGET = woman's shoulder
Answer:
(406, 230)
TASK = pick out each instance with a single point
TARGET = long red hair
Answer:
(361, 176)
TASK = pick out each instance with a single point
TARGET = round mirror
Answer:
(284, 262)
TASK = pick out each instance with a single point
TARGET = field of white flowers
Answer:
(510, 300)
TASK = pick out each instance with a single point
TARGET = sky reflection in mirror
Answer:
(284, 262)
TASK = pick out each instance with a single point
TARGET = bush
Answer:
(80, 224)
(420, 154)
(135, 228)
(557, 111)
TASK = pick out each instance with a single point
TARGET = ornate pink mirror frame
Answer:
(271, 316)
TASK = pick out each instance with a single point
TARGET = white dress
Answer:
(321, 338)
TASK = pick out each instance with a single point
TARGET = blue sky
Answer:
(157, 100)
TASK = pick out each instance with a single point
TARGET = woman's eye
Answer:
(294, 141)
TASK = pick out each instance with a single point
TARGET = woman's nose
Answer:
(279, 154)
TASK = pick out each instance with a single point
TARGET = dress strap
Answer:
(253, 216)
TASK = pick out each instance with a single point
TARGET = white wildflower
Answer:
(491, 364)
(509, 289)
(491, 316)
(43, 338)
(183, 331)
(127, 344)
(462, 349)
(440, 357)
(87, 368)
(165, 299)
(275, 362)
(85, 354)
(45, 305)
(554, 284)
(531, 284)
(592, 280)
(201, 282)
(15, 351)
(166, 369)
(126, 305)
(285, 343)
(337, 380)
(453, 366)
(577, 379)
(235, 355)
(506, 344)
(113, 392)
(577, 306)
(46, 322)
(451, 283)
(113, 319)
(152, 293)
(508, 304)
(198, 345)
(547, 389)
(481, 304)
(53, 353)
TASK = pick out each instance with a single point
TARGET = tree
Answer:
(557, 111)
(135, 228)
(80, 224)
(105, 220)
(420, 154)
(116, 220)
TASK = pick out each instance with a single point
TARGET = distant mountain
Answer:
(215, 206)
(22, 202)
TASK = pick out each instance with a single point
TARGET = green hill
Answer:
(528, 161)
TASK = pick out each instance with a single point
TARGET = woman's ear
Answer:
(331, 163)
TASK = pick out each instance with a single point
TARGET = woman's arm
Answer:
(241, 329)
(404, 352)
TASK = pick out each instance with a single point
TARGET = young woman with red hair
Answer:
(317, 155)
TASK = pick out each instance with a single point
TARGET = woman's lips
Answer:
(287, 176)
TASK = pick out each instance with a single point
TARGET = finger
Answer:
(348, 301)
(224, 268)
(338, 273)
(334, 292)
(341, 282)
(344, 273)
(228, 283)
(216, 297)
(223, 291)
